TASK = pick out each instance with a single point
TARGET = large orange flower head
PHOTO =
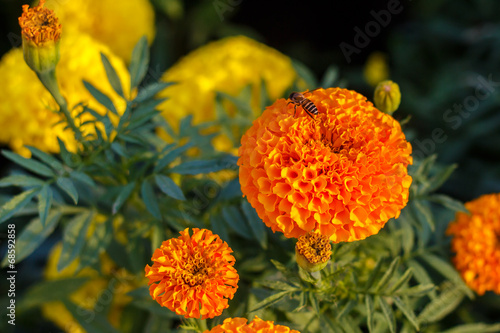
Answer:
(342, 171)
(237, 325)
(193, 275)
(476, 242)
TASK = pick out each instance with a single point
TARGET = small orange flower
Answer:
(312, 251)
(39, 25)
(343, 173)
(476, 242)
(237, 325)
(193, 275)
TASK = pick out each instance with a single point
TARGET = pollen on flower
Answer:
(257, 325)
(39, 24)
(343, 173)
(193, 275)
(476, 242)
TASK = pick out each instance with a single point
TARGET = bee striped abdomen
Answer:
(310, 107)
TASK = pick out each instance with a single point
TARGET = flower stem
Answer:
(49, 81)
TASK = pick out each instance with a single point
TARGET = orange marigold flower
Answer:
(39, 25)
(476, 242)
(257, 325)
(312, 251)
(343, 173)
(193, 275)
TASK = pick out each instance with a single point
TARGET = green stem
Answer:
(49, 80)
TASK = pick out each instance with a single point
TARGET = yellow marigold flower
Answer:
(26, 107)
(113, 279)
(387, 96)
(257, 325)
(41, 33)
(376, 68)
(476, 242)
(343, 174)
(193, 275)
(118, 25)
(312, 251)
(227, 65)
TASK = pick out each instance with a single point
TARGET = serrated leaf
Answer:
(351, 304)
(421, 275)
(82, 177)
(21, 180)
(407, 236)
(267, 302)
(417, 291)
(139, 62)
(113, 77)
(44, 203)
(448, 202)
(279, 266)
(425, 212)
(219, 227)
(99, 96)
(474, 328)
(29, 164)
(257, 227)
(51, 291)
(33, 235)
(16, 203)
(401, 281)
(169, 187)
(389, 273)
(125, 193)
(46, 158)
(66, 156)
(313, 300)
(369, 312)
(279, 285)
(236, 221)
(74, 237)
(405, 309)
(439, 179)
(443, 305)
(68, 187)
(89, 320)
(171, 156)
(151, 90)
(388, 314)
(149, 198)
(374, 273)
(426, 165)
(96, 244)
(447, 270)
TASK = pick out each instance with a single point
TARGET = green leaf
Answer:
(242, 104)
(448, 271)
(51, 291)
(426, 165)
(47, 159)
(279, 266)
(424, 211)
(448, 202)
(369, 312)
(236, 221)
(388, 314)
(219, 227)
(44, 203)
(417, 291)
(205, 166)
(21, 180)
(389, 273)
(439, 179)
(125, 193)
(74, 238)
(374, 273)
(401, 281)
(33, 235)
(329, 77)
(151, 90)
(149, 198)
(443, 305)
(351, 304)
(29, 164)
(16, 203)
(267, 302)
(407, 236)
(305, 73)
(421, 275)
(139, 62)
(66, 156)
(474, 328)
(68, 187)
(82, 177)
(405, 309)
(119, 149)
(279, 285)
(257, 227)
(171, 156)
(169, 187)
(113, 77)
(96, 244)
(100, 97)
(344, 248)
(90, 320)
(314, 303)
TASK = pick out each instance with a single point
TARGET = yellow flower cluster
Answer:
(227, 65)
(26, 107)
(119, 25)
